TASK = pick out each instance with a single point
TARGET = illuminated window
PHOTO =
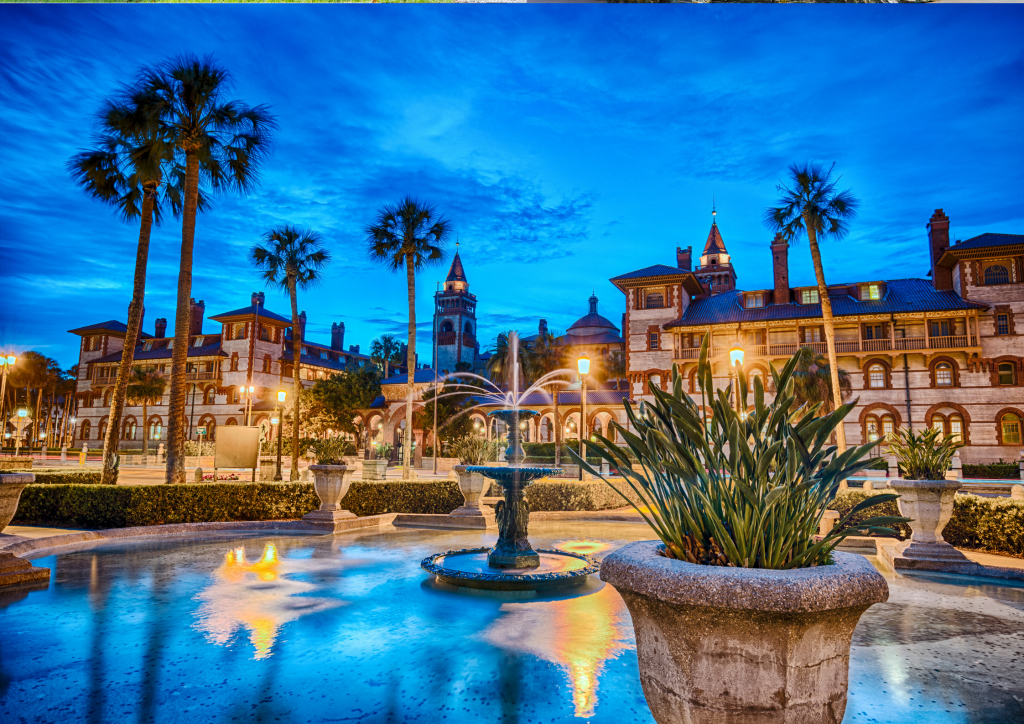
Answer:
(1007, 375)
(997, 274)
(876, 376)
(869, 292)
(939, 424)
(809, 296)
(1010, 425)
(888, 427)
(812, 334)
(754, 300)
(943, 375)
(654, 300)
(155, 430)
(872, 428)
(209, 397)
(956, 427)
(198, 342)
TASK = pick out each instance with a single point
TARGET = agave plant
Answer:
(924, 456)
(474, 450)
(333, 450)
(745, 490)
(383, 450)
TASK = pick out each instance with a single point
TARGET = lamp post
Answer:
(736, 354)
(22, 413)
(281, 394)
(247, 391)
(5, 366)
(583, 367)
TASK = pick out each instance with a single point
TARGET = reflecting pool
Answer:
(310, 628)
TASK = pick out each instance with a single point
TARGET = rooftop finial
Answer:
(713, 212)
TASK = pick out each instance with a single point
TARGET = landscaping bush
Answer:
(434, 496)
(65, 476)
(994, 524)
(994, 471)
(550, 494)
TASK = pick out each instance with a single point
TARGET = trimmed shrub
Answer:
(993, 471)
(66, 476)
(1002, 527)
(439, 497)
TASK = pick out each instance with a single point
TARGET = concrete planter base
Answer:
(471, 514)
(15, 571)
(731, 645)
(11, 485)
(929, 505)
(375, 469)
(331, 483)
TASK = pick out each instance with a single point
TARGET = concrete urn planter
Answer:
(728, 645)
(375, 469)
(11, 485)
(472, 486)
(929, 505)
(15, 571)
(331, 483)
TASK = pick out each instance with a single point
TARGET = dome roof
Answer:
(594, 322)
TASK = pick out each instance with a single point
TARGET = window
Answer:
(888, 427)
(812, 334)
(85, 428)
(266, 364)
(234, 362)
(238, 331)
(809, 296)
(939, 424)
(940, 328)
(872, 428)
(753, 301)
(1007, 375)
(654, 300)
(147, 347)
(265, 334)
(129, 430)
(869, 292)
(210, 396)
(233, 395)
(956, 427)
(305, 351)
(1002, 324)
(876, 376)
(323, 355)
(170, 344)
(468, 329)
(654, 340)
(997, 274)
(1010, 427)
(446, 326)
(198, 342)
(943, 375)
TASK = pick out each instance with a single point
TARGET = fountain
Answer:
(512, 564)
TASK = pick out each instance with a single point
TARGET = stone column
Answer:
(63, 453)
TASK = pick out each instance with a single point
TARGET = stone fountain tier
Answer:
(468, 568)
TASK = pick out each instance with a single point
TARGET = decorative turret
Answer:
(715, 270)
(455, 320)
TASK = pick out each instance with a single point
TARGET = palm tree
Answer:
(548, 356)
(143, 387)
(499, 364)
(129, 162)
(408, 234)
(813, 381)
(385, 350)
(812, 205)
(223, 143)
(291, 258)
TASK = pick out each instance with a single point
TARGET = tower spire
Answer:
(714, 213)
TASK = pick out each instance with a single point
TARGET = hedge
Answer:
(993, 471)
(547, 495)
(994, 524)
(65, 476)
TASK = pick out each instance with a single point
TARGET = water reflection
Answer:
(577, 634)
(256, 596)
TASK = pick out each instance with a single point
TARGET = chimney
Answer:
(257, 298)
(302, 325)
(542, 328)
(338, 336)
(684, 258)
(197, 310)
(161, 328)
(938, 242)
(353, 349)
(780, 268)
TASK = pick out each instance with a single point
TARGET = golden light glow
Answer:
(10, 359)
(583, 365)
(586, 547)
(281, 394)
(736, 355)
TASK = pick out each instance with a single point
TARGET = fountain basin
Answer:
(469, 568)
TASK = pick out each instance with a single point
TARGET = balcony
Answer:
(444, 338)
(788, 349)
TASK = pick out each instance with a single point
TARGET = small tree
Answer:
(385, 351)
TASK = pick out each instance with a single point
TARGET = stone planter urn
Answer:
(375, 469)
(472, 487)
(13, 570)
(331, 483)
(729, 645)
(929, 505)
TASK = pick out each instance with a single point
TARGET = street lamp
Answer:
(281, 394)
(583, 367)
(736, 354)
(22, 414)
(5, 366)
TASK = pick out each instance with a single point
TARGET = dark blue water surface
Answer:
(310, 628)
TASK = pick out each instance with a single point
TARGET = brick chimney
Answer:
(302, 325)
(684, 258)
(780, 269)
(353, 349)
(542, 328)
(197, 310)
(338, 336)
(938, 242)
(257, 298)
(161, 328)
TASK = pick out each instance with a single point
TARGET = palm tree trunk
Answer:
(49, 416)
(179, 358)
(410, 363)
(830, 332)
(37, 415)
(297, 355)
(145, 431)
(558, 432)
(124, 369)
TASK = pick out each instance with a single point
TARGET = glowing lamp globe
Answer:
(583, 365)
(736, 355)
(281, 394)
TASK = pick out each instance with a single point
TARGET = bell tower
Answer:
(455, 320)
(715, 269)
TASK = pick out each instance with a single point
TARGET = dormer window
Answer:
(654, 300)
(870, 292)
(170, 343)
(323, 355)
(809, 296)
(198, 342)
(753, 301)
(147, 346)
(305, 351)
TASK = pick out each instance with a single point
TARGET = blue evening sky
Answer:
(568, 144)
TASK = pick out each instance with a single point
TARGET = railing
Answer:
(783, 350)
(910, 343)
(788, 349)
(876, 345)
(847, 346)
(955, 340)
(446, 338)
(193, 376)
(468, 340)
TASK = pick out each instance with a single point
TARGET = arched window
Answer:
(956, 427)
(234, 362)
(1009, 425)
(266, 363)
(888, 427)
(231, 421)
(943, 375)
(755, 375)
(876, 376)
(939, 423)
(129, 430)
(209, 397)
(233, 395)
(86, 429)
(468, 328)
(997, 274)
(446, 326)
(872, 427)
(106, 396)
(654, 300)
(1007, 373)
(103, 430)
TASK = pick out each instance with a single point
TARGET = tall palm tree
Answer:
(223, 142)
(129, 163)
(144, 387)
(385, 350)
(548, 356)
(812, 380)
(499, 364)
(408, 235)
(811, 205)
(292, 259)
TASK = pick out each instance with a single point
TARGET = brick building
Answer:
(941, 352)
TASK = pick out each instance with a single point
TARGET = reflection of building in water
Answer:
(577, 634)
(255, 596)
